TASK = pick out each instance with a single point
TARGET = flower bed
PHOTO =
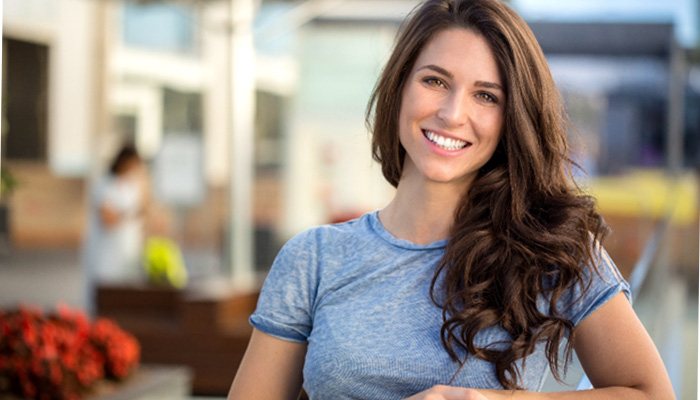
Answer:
(61, 355)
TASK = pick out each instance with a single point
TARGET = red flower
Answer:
(61, 356)
(122, 349)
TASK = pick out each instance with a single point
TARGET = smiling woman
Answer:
(451, 112)
(484, 271)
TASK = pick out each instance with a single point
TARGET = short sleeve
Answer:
(600, 285)
(284, 308)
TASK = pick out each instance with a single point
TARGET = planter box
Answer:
(204, 327)
(149, 382)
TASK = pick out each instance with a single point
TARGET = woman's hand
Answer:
(109, 216)
(442, 392)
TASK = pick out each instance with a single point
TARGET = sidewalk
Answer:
(41, 278)
(48, 277)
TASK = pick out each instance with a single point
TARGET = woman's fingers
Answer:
(442, 392)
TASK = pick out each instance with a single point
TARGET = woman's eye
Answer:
(488, 97)
(433, 81)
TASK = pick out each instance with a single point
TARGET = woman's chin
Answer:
(445, 179)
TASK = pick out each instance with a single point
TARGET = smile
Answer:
(445, 142)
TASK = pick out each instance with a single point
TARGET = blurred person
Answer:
(114, 241)
(484, 271)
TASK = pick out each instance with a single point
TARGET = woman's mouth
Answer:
(446, 143)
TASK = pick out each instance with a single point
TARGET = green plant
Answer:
(8, 182)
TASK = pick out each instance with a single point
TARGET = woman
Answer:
(469, 282)
(115, 235)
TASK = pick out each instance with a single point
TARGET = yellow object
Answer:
(163, 262)
(647, 193)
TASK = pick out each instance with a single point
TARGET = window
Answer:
(24, 115)
(182, 112)
(175, 25)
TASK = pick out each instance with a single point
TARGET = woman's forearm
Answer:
(612, 393)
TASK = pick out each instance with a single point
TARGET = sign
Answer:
(178, 170)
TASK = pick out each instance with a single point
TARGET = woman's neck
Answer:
(421, 213)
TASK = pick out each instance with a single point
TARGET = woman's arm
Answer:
(271, 369)
(616, 351)
(617, 354)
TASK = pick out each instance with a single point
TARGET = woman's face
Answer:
(452, 109)
(130, 168)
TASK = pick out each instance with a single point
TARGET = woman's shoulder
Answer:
(321, 248)
(327, 236)
(600, 281)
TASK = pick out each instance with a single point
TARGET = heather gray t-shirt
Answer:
(359, 297)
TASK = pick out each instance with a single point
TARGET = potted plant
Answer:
(8, 183)
(61, 355)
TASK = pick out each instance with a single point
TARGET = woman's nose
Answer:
(454, 109)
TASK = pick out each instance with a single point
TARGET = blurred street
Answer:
(41, 277)
(47, 277)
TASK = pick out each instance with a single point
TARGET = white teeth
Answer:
(444, 142)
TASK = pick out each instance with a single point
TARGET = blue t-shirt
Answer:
(359, 297)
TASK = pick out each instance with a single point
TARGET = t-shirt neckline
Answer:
(379, 229)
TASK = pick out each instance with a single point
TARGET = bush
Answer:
(60, 355)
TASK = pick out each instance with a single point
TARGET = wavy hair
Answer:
(523, 231)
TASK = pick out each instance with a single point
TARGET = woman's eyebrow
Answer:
(488, 85)
(437, 69)
(443, 71)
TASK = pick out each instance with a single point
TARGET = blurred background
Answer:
(249, 117)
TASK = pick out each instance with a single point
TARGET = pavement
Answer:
(41, 278)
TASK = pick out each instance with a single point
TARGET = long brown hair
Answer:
(523, 231)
